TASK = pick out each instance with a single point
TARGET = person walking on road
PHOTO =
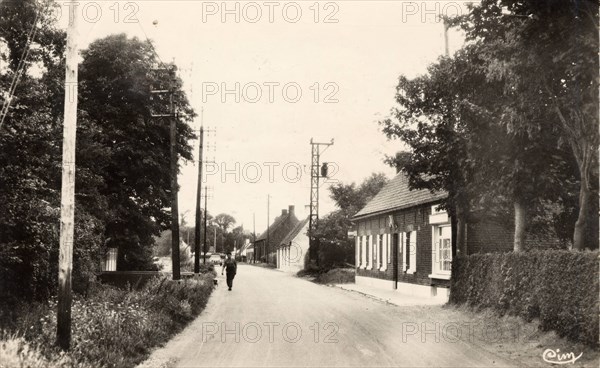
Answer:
(231, 267)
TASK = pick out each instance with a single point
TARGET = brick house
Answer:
(403, 241)
(292, 252)
(277, 231)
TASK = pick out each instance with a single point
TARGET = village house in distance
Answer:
(404, 242)
(292, 252)
(265, 246)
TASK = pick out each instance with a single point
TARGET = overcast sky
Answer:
(302, 71)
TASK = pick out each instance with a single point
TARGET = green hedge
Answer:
(558, 287)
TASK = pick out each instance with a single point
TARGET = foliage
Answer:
(337, 276)
(122, 154)
(117, 75)
(335, 248)
(544, 54)
(509, 121)
(112, 327)
(224, 221)
(558, 287)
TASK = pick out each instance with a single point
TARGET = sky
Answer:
(270, 76)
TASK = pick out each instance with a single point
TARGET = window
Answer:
(389, 246)
(442, 250)
(402, 246)
(375, 251)
(411, 241)
(368, 254)
(380, 250)
(358, 251)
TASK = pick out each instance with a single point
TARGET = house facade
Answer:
(265, 246)
(292, 252)
(403, 241)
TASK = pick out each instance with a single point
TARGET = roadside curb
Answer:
(370, 296)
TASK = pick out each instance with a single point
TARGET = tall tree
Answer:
(546, 54)
(451, 118)
(31, 56)
(224, 221)
(117, 75)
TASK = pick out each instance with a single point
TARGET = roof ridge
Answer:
(396, 194)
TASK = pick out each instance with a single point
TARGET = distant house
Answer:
(292, 252)
(404, 242)
(265, 246)
(242, 253)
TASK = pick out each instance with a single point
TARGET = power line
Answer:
(20, 67)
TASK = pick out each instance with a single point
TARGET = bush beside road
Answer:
(110, 328)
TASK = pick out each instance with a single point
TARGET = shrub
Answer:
(559, 287)
(337, 276)
(111, 327)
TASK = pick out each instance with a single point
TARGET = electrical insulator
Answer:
(324, 170)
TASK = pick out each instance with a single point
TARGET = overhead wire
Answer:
(19, 71)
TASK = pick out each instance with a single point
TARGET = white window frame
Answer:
(378, 254)
(412, 252)
(371, 250)
(402, 245)
(384, 259)
(388, 249)
(357, 251)
(436, 271)
(364, 253)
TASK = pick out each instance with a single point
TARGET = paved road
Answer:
(276, 320)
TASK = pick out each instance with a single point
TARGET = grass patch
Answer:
(328, 276)
(337, 276)
(110, 328)
(508, 335)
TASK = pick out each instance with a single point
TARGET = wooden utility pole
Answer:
(205, 222)
(67, 198)
(199, 199)
(172, 116)
(174, 189)
(268, 228)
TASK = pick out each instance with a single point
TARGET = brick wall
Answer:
(411, 219)
(489, 236)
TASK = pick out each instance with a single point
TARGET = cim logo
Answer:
(554, 357)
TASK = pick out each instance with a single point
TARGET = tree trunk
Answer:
(582, 223)
(520, 224)
(454, 231)
(461, 226)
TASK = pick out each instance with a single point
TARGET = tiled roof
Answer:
(276, 223)
(295, 231)
(396, 195)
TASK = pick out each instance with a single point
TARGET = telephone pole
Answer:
(199, 199)
(174, 189)
(268, 228)
(172, 116)
(316, 153)
(205, 223)
(67, 198)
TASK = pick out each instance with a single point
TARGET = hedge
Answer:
(558, 287)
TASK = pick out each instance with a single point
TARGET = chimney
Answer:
(291, 209)
(283, 212)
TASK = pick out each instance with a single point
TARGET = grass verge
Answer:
(110, 328)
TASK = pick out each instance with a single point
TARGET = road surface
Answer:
(272, 319)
